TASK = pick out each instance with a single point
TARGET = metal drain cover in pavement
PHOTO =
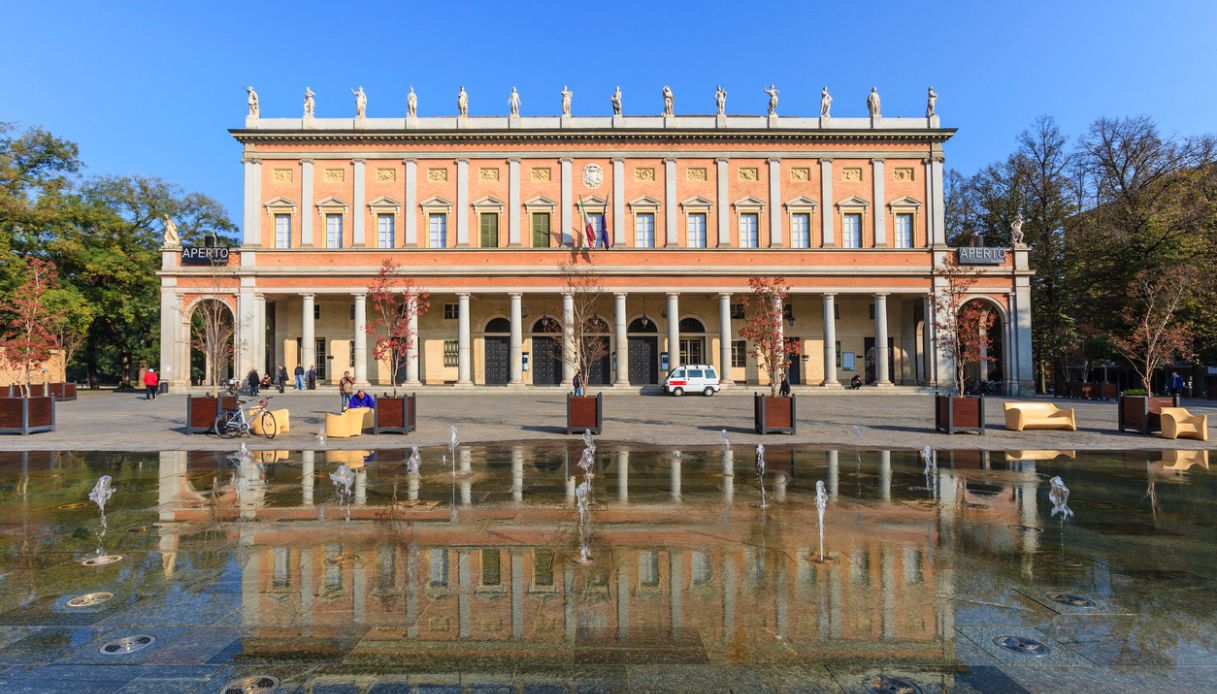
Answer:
(1070, 599)
(887, 684)
(89, 599)
(255, 684)
(102, 560)
(73, 506)
(127, 644)
(1025, 528)
(1022, 646)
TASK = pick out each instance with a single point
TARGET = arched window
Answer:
(596, 326)
(498, 325)
(691, 325)
(642, 325)
(546, 326)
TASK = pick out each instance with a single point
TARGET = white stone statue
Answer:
(411, 103)
(361, 103)
(668, 100)
(310, 103)
(720, 100)
(773, 92)
(1016, 229)
(872, 103)
(615, 100)
(462, 103)
(513, 102)
(931, 103)
(171, 237)
(566, 97)
(825, 103)
(253, 102)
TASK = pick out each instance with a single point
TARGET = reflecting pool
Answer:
(517, 568)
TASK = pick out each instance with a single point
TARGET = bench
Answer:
(1178, 423)
(1039, 415)
(350, 423)
(282, 422)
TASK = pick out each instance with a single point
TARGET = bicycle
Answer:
(233, 423)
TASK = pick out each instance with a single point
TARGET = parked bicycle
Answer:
(239, 421)
(975, 387)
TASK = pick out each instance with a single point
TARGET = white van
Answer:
(692, 378)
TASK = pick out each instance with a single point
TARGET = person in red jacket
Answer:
(150, 383)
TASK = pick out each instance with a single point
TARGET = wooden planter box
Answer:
(201, 411)
(1142, 413)
(1106, 391)
(774, 415)
(584, 413)
(27, 415)
(63, 391)
(955, 414)
(395, 415)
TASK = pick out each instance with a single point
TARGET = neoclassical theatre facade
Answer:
(481, 212)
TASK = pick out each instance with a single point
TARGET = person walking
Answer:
(784, 388)
(312, 377)
(299, 373)
(345, 386)
(282, 377)
(151, 381)
(253, 381)
(578, 383)
(1176, 384)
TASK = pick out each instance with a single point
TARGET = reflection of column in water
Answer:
(782, 596)
(412, 591)
(412, 485)
(885, 475)
(623, 597)
(517, 587)
(517, 474)
(361, 487)
(466, 457)
(675, 560)
(570, 490)
(466, 461)
(728, 475)
(462, 603)
(306, 585)
(834, 474)
(728, 595)
(251, 581)
(623, 476)
(172, 469)
(359, 586)
(945, 484)
(887, 566)
(568, 596)
(307, 476)
(168, 547)
(834, 601)
(466, 491)
(675, 470)
(779, 487)
(1029, 514)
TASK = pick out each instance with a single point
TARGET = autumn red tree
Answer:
(395, 303)
(28, 338)
(1156, 295)
(763, 318)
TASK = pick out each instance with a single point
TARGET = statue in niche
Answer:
(773, 92)
(931, 103)
(171, 237)
(566, 97)
(1016, 230)
(720, 100)
(411, 103)
(668, 100)
(253, 102)
(462, 103)
(872, 103)
(361, 102)
(825, 103)
(513, 102)
(309, 103)
(615, 100)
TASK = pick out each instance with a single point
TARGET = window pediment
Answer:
(853, 202)
(801, 204)
(539, 202)
(280, 204)
(750, 203)
(905, 202)
(645, 202)
(487, 202)
(594, 201)
(333, 203)
(435, 202)
(384, 203)
(697, 202)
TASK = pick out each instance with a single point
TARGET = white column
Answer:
(619, 202)
(259, 333)
(673, 331)
(671, 236)
(834, 473)
(622, 377)
(674, 475)
(623, 476)
(722, 203)
(885, 475)
(412, 349)
(725, 335)
(308, 336)
(361, 339)
(1021, 330)
(513, 202)
(568, 338)
(307, 213)
(462, 202)
(251, 225)
(879, 203)
(517, 474)
(246, 332)
(938, 233)
(826, 203)
(830, 341)
(410, 210)
(882, 377)
(169, 371)
(517, 340)
(463, 369)
(358, 211)
(307, 476)
(929, 374)
(775, 202)
(564, 214)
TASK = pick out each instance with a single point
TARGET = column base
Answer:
(831, 385)
(883, 384)
(463, 384)
(725, 383)
(623, 384)
(516, 384)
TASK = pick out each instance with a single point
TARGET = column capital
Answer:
(825, 160)
(409, 160)
(723, 160)
(306, 296)
(251, 160)
(462, 295)
(359, 161)
(306, 161)
(775, 160)
(362, 294)
(830, 295)
(877, 160)
(620, 295)
(618, 160)
(462, 160)
(513, 160)
(669, 160)
(725, 295)
(515, 295)
(565, 160)
(881, 295)
(673, 295)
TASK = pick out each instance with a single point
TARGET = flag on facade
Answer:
(604, 233)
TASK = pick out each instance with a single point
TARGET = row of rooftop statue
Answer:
(513, 102)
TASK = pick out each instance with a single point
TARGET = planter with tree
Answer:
(583, 330)
(962, 328)
(395, 306)
(763, 329)
(28, 343)
(213, 332)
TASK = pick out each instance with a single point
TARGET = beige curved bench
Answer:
(350, 423)
(282, 422)
(1178, 423)
(1039, 415)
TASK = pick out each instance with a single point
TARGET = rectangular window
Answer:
(851, 230)
(452, 311)
(542, 567)
(282, 573)
(737, 311)
(748, 222)
(648, 567)
(540, 230)
(904, 230)
(451, 352)
(333, 231)
(385, 227)
(437, 226)
(701, 569)
(739, 353)
(439, 568)
(800, 230)
(697, 230)
(492, 567)
(283, 231)
(644, 230)
(488, 223)
(596, 219)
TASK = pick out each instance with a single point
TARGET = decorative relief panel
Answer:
(386, 175)
(593, 176)
(281, 176)
(698, 174)
(335, 175)
(801, 173)
(542, 174)
(749, 173)
(851, 174)
(647, 174)
(437, 174)
(488, 174)
(903, 174)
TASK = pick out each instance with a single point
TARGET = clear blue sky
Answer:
(150, 88)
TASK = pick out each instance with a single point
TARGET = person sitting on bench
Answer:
(361, 399)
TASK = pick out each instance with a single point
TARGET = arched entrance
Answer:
(692, 341)
(496, 351)
(546, 352)
(643, 338)
(991, 367)
(596, 352)
(212, 335)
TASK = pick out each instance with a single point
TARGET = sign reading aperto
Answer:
(981, 255)
(204, 255)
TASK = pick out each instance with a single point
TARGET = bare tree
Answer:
(584, 328)
(213, 330)
(763, 312)
(396, 304)
(962, 328)
(1157, 335)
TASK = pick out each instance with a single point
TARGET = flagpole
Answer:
(582, 216)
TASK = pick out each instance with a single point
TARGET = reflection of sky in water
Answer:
(686, 568)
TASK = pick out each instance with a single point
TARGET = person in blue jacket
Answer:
(361, 399)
